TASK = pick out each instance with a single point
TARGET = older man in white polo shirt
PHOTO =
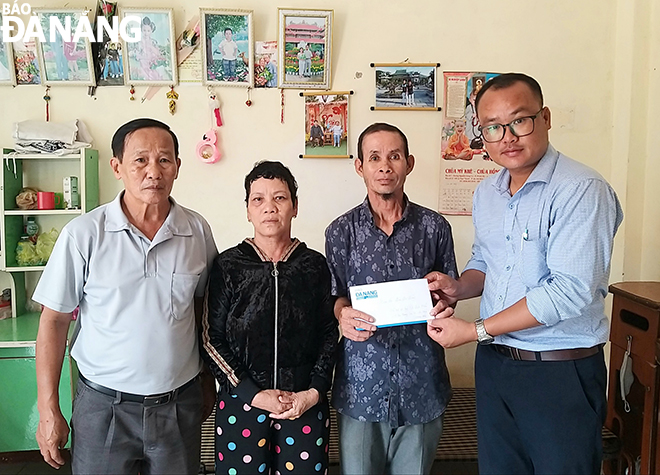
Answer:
(135, 267)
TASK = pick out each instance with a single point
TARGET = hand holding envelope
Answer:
(400, 302)
(350, 320)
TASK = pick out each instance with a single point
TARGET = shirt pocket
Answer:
(182, 295)
(532, 265)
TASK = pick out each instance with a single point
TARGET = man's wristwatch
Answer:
(483, 336)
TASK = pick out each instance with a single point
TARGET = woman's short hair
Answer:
(271, 170)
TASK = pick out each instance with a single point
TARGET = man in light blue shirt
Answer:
(544, 230)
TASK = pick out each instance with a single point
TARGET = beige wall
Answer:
(595, 59)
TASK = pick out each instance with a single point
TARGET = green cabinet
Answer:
(18, 383)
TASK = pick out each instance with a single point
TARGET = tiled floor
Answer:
(31, 465)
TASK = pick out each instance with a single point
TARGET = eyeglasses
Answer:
(519, 127)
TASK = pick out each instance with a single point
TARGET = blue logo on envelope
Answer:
(366, 294)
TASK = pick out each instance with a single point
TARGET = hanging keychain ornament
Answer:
(214, 104)
(207, 149)
(132, 91)
(172, 96)
(47, 99)
(249, 95)
(282, 106)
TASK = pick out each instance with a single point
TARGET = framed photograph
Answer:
(405, 86)
(62, 61)
(108, 54)
(265, 64)
(227, 47)
(326, 125)
(305, 48)
(7, 70)
(152, 60)
(26, 62)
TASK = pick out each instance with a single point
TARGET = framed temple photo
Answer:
(7, 69)
(152, 60)
(63, 61)
(227, 47)
(405, 86)
(305, 48)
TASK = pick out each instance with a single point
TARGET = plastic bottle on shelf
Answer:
(26, 253)
(32, 229)
(5, 304)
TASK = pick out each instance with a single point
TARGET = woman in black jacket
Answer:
(269, 335)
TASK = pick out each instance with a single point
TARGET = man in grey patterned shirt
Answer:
(391, 384)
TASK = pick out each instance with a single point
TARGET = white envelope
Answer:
(400, 302)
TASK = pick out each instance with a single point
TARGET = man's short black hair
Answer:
(270, 171)
(228, 29)
(507, 80)
(119, 139)
(381, 127)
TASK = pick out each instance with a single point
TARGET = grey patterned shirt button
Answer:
(398, 375)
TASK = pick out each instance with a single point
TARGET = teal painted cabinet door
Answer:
(18, 402)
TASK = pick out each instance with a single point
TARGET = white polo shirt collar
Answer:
(176, 223)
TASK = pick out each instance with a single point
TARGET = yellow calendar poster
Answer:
(464, 160)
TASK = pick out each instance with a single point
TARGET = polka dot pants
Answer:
(247, 441)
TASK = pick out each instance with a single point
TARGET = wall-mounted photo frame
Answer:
(326, 124)
(405, 86)
(63, 62)
(7, 69)
(152, 60)
(305, 48)
(108, 54)
(26, 63)
(265, 64)
(227, 47)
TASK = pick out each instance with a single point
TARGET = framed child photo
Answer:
(227, 47)
(7, 70)
(61, 60)
(305, 48)
(405, 86)
(152, 60)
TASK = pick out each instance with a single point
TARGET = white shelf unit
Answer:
(44, 172)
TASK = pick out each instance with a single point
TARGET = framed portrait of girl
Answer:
(152, 60)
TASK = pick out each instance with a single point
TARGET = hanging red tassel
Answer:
(47, 99)
(282, 106)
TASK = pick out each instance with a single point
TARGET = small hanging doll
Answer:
(207, 150)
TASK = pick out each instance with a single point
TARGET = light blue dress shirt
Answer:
(552, 243)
